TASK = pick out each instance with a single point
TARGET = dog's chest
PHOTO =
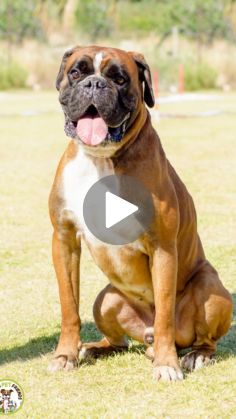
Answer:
(78, 177)
(125, 265)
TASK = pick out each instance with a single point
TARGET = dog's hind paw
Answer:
(85, 354)
(196, 360)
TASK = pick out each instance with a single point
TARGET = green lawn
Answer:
(203, 150)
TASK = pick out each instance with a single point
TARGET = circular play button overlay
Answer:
(118, 209)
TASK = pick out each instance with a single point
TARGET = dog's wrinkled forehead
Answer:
(99, 59)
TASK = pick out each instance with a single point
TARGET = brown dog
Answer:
(162, 282)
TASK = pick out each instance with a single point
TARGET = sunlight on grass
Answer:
(203, 152)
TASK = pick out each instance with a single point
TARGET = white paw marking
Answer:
(83, 353)
(165, 373)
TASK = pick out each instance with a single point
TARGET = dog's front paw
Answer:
(166, 373)
(62, 363)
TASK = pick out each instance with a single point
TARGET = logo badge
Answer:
(11, 396)
(118, 209)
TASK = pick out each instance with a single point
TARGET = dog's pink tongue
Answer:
(92, 131)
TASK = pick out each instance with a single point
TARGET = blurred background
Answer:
(190, 45)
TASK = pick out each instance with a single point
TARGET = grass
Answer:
(203, 152)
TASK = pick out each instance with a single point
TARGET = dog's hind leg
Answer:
(100, 348)
(203, 315)
(116, 319)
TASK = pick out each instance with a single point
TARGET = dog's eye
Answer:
(75, 74)
(119, 80)
(83, 66)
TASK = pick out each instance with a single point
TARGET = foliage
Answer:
(18, 20)
(141, 16)
(203, 20)
(91, 17)
(12, 75)
(167, 68)
(199, 76)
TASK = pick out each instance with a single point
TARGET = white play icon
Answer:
(117, 209)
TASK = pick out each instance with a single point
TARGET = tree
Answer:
(92, 17)
(17, 20)
(201, 20)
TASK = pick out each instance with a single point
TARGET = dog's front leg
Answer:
(66, 259)
(164, 278)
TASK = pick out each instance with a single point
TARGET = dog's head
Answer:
(102, 91)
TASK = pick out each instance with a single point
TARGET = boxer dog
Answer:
(162, 291)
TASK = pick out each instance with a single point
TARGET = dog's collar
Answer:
(143, 119)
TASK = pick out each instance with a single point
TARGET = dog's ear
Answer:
(145, 76)
(66, 55)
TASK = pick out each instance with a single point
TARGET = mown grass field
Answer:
(203, 150)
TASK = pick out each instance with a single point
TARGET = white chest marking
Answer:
(97, 63)
(78, 176)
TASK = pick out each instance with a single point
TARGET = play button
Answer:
(118, 209)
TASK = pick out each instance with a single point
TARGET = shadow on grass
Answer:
(45, 344)
(227, 345)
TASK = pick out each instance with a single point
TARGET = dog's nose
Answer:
(95, 83)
